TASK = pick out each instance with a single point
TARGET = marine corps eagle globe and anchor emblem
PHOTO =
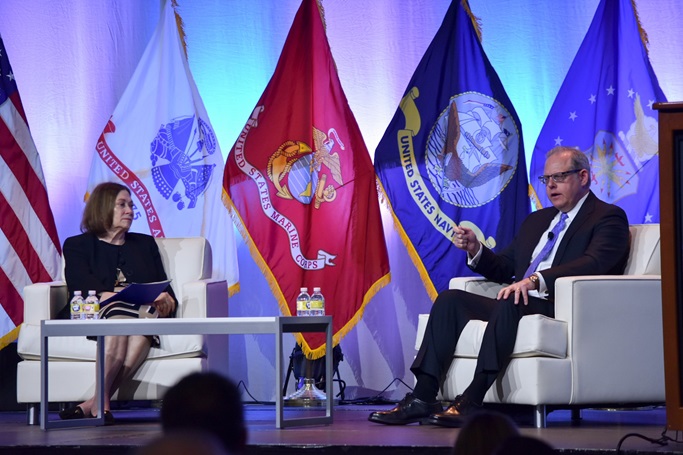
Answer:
(296, 172)
(305, 183)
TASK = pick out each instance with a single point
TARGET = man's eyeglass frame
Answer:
(559, 177)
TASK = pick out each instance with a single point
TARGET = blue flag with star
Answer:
(453, 154)
(604, 107)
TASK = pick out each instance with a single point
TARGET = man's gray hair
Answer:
(579, 160)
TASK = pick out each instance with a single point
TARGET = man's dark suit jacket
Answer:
(596, 243)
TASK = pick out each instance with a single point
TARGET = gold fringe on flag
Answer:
(9, 337)
(180, 24)
(534, 198)
(322, 18)
(322, 14)
(476, 22)
(260, 262)
(643, 33)
(412, 252)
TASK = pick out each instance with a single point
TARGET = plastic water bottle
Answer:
(92, 306)
(303, 303)
(77, 305)
(317, 303)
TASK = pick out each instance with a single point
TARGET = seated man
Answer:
(579, 235)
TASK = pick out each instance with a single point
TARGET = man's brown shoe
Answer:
(408, 410)
(454, 416)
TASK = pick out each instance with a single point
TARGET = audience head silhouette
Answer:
(182, 443)
(522, 445)
(206, 402)
(483, 432)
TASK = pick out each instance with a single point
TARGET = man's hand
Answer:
(519, 288)
(165, 304)
(466, 239)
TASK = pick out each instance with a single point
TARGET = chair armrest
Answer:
(44, 301)
(614, 328)
(204, 298)
(476, 285)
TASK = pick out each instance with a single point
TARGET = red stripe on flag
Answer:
(16, 100)
(19, 239)
(11, 300)
(16, 160)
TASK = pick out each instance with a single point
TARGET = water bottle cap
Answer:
(304, 289)
(316, 289)
(91, 292)
(78, 293)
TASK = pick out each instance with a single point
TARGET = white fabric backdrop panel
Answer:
(72, 60)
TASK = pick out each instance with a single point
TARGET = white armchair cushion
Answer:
(43, 301)
(538, 336)
(185, 260)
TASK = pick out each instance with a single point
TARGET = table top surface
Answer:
(181, 326)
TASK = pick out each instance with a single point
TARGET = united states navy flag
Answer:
(453, 154)
(604, 107)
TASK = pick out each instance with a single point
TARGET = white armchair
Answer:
(604, 347)
(187, 262)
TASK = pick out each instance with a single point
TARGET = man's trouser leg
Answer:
(451, 311)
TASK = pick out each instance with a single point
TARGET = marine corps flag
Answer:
(453, 154)
(302, 186)
(604, 107)
(160, 143)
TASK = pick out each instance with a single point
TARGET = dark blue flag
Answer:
(453, 154)
(604, 107)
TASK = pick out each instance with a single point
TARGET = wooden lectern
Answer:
(671, 231)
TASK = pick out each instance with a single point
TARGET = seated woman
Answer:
(104, 258)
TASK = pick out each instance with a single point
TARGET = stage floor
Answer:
(599, 431)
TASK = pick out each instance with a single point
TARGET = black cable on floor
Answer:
(378, 398)
(373, 400)
(255, 401)
(662, 441)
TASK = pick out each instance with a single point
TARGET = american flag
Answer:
(29, 246)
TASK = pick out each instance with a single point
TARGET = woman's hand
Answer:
(165, 304)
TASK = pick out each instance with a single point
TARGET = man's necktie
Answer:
(548, 247)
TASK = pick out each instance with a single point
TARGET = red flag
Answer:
(29, 246)
(302, 186)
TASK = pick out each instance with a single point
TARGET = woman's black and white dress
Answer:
(92, 264)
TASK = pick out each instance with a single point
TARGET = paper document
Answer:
(138, 293)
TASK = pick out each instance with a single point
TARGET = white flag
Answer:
(160, 143)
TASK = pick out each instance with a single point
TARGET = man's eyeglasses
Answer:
(558, 177)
